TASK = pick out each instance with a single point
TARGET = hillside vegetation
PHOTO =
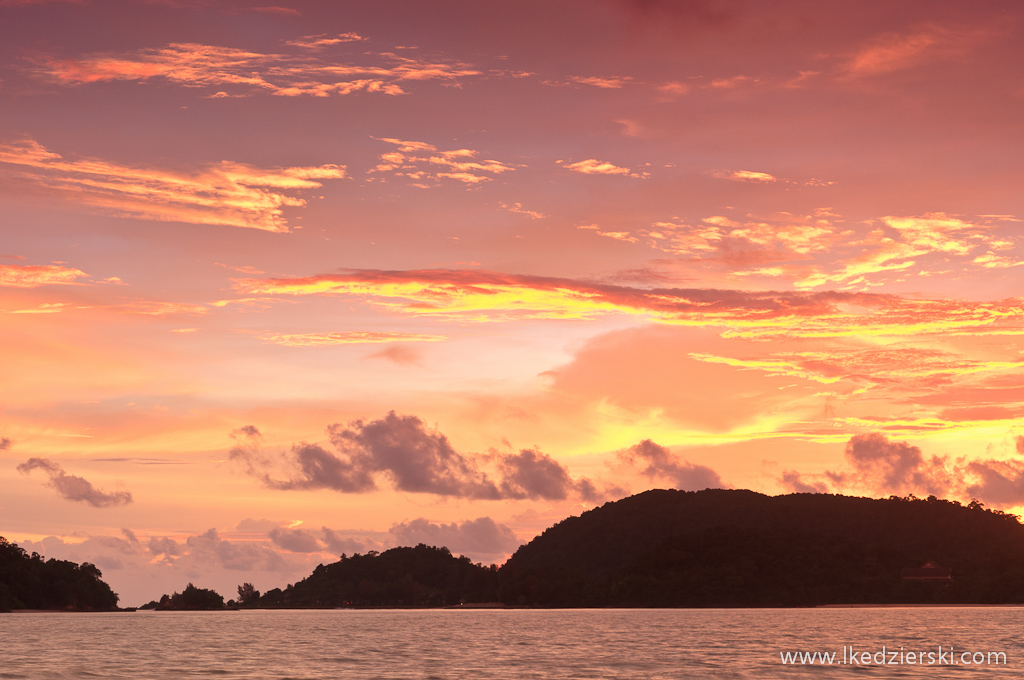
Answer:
(400, 577)
(30, 582)
(712, 548)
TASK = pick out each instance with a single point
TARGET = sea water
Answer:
(514, 644)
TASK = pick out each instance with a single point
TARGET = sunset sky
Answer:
(281, 282)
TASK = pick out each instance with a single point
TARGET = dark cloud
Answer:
(894, 467)
(999, 483)
(881, 466)
(294, 540)
(318, 468)
(399, 354)
(246, 431)
(233, 555)
(74, 488)
(415, 458)
(409, 456)
(532, 474)
(130, 536)
(338, 544)
(5, 443)
(660, 462)
(793, 481)
(164, 546)
(480, 539)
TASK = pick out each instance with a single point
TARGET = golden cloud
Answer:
(32, 276)
(248, 73)
(425, 165)
(227, 193)
(490, 296)
(592, 166)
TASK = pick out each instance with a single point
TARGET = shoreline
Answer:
(521, 608)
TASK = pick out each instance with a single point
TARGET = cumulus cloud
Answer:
(339, 543)
(533, 474)
(74, 488)
(795, 482)
(658, 462)
(5, 443)
(480, 539)
(294, 540)
(226, 193)
(893, 467)
(165, 546)
(140, 568)
(881, 466)
(233, 555)
(402, 453)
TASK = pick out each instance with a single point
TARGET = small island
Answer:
(30, 582)
(660, 548)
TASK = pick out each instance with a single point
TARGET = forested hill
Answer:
(740, 548)
(404, 577)
(30, 582)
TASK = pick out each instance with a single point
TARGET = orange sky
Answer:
(281, 282)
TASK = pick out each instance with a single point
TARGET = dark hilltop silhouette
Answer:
(662, 548)
(711, 548)
(30, 582)
(737, 548)
(422, 576)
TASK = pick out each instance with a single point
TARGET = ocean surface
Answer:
(511, 644)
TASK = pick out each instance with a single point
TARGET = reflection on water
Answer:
(512, 644)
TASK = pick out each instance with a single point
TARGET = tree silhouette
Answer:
(248, 596)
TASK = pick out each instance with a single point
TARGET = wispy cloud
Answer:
(32, 276)
(906, 368)
(891, 52)
(592, 166)
(822, 248)
(246, 73)
(322, 40)
(227, 193)
(609, 83)
(492, 296)
(518, 208)
(425, 165)
(764, 178)
(346, 338)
